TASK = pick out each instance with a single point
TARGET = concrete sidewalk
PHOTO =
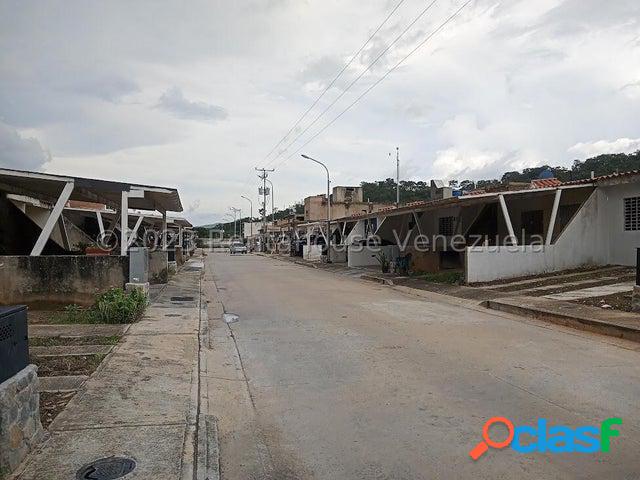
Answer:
(142, 403)
(583, 317)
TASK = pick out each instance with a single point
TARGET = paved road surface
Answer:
(328, 377)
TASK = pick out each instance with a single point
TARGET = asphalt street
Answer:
(324, 376)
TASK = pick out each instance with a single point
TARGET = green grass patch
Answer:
(449, 277)
(113, 306)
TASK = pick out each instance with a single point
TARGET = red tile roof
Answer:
(545, 183)
(630, 173)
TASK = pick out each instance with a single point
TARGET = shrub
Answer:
(117, 306)
(385, 263)
(113, 306)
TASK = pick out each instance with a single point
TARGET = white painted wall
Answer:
(339, 254)
(367, 256)
(583, 242)
(312, 253)
(620, 245)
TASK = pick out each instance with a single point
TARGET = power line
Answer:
(421, 44)
(355, 55)
(380, 55)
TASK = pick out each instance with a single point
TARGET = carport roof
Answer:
(462, 201)
(48, 187)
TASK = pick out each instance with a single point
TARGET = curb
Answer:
(373, 278)
(305, 264)
(579, 323)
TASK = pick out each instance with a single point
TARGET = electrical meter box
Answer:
(138, 265)
(14, 341)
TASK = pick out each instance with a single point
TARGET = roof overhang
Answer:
(464, 201)
(47, 187)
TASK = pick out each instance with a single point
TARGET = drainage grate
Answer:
(182, 299)
(173, 315)
(106, 469)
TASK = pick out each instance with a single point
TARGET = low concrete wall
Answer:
(338, 254)
(179, 256)
(20, 427)
(59, 280)
(312, 253)
(368, 256)
(158, 267)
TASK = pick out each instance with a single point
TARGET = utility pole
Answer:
(251, 207)
(263, 176)
(397, 176)
(235, 211)
(273, 215)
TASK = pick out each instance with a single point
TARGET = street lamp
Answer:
(328, 205)
(251, 220)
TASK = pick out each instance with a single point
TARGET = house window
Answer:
(446, 225)
(632, 214)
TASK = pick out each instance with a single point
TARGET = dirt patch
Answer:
(607, 278)
(66, 341)
(617, 301)
(586, 270)
(67, 365)
(51, 404)
(44, 317)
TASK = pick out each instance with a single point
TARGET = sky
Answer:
(196, 95)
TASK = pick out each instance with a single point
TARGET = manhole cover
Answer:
(106, 469)
(182, 299)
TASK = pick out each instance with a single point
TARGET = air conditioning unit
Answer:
(14, 341)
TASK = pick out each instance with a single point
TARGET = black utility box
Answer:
(14, 341)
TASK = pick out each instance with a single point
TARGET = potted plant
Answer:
(384, 262)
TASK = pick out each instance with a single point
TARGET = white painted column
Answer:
(507, 219)
(554, 214)
(100, 222)
(164, 231)
(52, 220)
(124, 223)
(180, 236)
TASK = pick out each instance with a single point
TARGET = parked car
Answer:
(237, 247)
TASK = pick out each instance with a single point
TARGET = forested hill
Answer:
(385, 190)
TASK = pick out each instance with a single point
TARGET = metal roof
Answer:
(48, 187)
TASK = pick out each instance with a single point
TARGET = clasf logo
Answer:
(544, 438)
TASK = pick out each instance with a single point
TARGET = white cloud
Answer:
(19, 152)
(592, 149)
(174, 102)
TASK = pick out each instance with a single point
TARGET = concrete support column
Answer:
(554, 214)
(52, 221)
(507, 219)
(164, 231)
(124, 223)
